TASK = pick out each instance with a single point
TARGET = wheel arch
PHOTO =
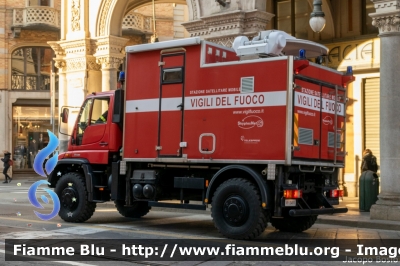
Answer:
(243, 172)
(63, 165)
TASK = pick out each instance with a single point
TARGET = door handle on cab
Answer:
(103, 143)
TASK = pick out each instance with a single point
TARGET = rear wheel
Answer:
(74, 204)
(294, 224)
(236, 210)
(139, 209)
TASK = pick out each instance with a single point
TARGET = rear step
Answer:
(308, 212)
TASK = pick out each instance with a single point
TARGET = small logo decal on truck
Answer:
(250, 122)
(249, 141)
(327, 120)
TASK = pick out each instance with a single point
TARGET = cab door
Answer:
(171, 105)
(91, 129)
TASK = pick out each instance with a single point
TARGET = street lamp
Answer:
(317, 20)
(154, 36)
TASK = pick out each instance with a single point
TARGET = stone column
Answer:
(110, 54)
(387, 19)
(60, 64)
(109, 69)
(62, 101)
(3, 129)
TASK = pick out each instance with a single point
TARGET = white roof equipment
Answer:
(275, 43)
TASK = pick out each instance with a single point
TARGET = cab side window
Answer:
(100, 111)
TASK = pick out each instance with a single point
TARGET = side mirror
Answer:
(118, 114)
(68, 114)
(64, 115)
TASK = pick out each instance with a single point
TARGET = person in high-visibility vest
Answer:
(103, 118)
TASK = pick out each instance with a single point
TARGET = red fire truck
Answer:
(256, 132)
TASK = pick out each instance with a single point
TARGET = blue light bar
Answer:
(302, 54)
(349, 70)
(121, 76)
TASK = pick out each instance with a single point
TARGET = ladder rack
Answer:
(342, 130)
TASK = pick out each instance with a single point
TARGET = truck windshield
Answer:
(84, 118)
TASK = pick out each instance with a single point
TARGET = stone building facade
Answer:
(25, 75)
(48, 47)
(221, 21)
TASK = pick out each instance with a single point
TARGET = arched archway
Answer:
(109, 51)
(112, 12)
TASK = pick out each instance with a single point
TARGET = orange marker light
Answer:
(293, 194)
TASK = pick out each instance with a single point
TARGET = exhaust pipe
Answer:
(265, 171)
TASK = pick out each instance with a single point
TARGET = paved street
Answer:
(17, 221)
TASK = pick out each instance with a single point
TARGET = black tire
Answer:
(139, 209)
(74, 204)
(236, 210)
(294, 224)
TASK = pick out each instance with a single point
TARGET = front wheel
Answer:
(294, 224)
(74, 204)
(236, 210)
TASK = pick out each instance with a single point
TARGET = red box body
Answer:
(200, 103)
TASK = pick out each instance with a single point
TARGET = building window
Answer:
(31, 68)
(39, 2)
(30, 125)
(292, 16)
(368, 8)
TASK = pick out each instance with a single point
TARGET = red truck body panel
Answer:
(226, 110)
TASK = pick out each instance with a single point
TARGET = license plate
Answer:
(290, 202)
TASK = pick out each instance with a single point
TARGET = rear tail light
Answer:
(336, 193)
(293, 194)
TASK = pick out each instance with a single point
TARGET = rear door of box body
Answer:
(319, 115)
